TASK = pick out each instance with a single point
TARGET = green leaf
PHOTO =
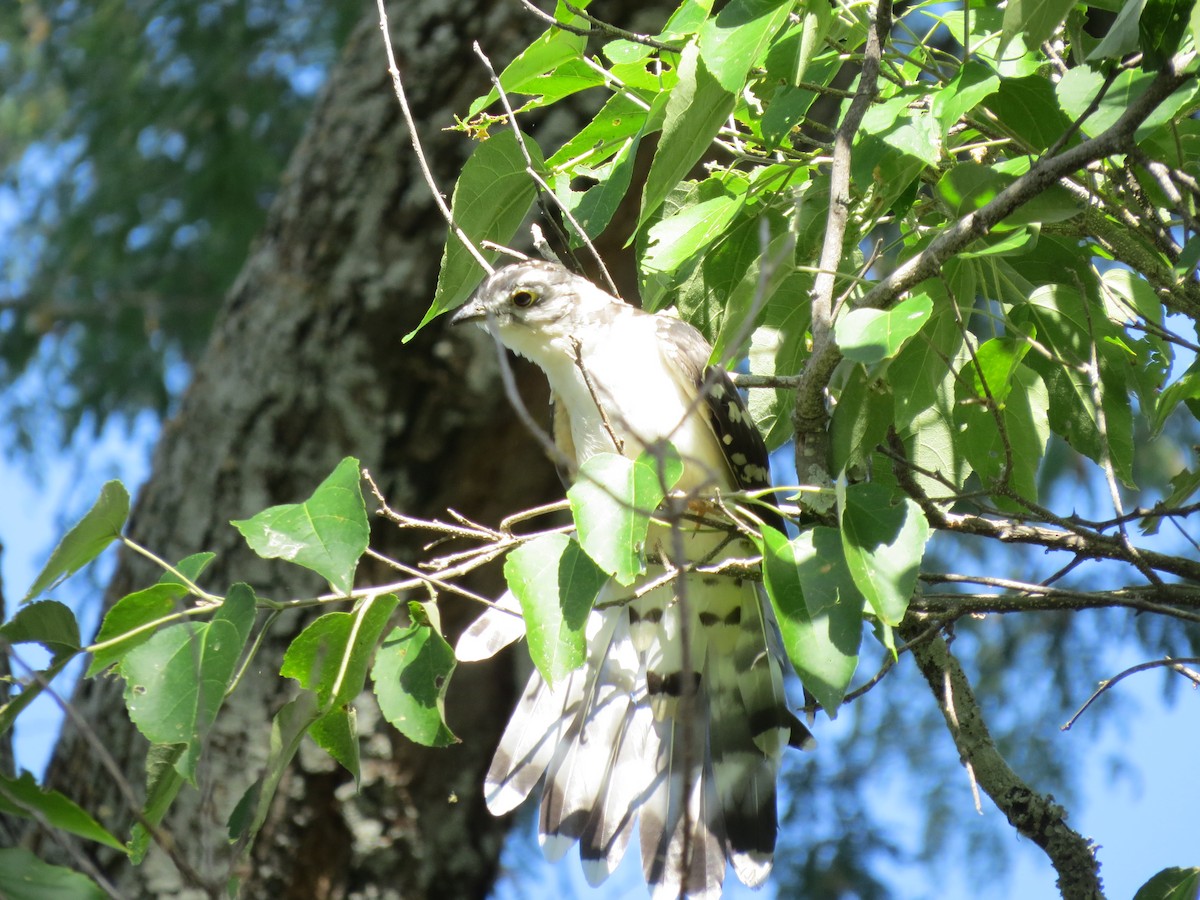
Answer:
(336, 733)
(1123, 34)
(1161, 28)
(884, 542)
(973, 84)
(533, 72)
(1183, 389)
(749, 292)
(696, 109)
(923, 389)
(129, 614)
(898, 125)
(612, 501)
(24, 797)
(860, 420)
(996, 363)
(96, 530)
(190, 567)
(594, 208)
(1171, 884)
(1067, 324)
(162, 787)
(737, 37)
(818, 607)
(491, 198)
(676, 238)
(331, 656)
(779, 347)
(620, 118)
(25, 877)
(52, 625)
(136, 613)
(288, 728)
(48, 623)
(556, 584)
(176, 681)
(16, 705)
(411, 674)
(1027, 108)
(327, 533)
(1077, 88)
(1037, 20)
(871, 335)
(1021, 407)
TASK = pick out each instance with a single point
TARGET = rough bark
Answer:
(304, 367)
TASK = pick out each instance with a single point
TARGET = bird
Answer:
(683, 738)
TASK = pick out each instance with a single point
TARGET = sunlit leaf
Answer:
(176, 681)
(612, 501)
(491, 198)
(331, 656)
(736, 38)
(96, 530)
(132, 614)
(697, 108)
(871, 335)
(556, 584)
(327, 533)
(883, 538)
(411, 674)
(818, 607)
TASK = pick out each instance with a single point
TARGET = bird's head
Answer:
(533, 302)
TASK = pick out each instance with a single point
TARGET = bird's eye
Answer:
(523, 299)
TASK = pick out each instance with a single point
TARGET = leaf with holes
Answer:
(176, 681)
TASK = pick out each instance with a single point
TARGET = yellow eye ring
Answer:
(523, 299)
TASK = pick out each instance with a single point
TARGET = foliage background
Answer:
(112, 292)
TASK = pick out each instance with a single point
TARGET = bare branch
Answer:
(1175, 665)
(1034, 815)
(810, 417)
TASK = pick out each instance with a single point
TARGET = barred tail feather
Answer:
(534, 733)
(630, 736)
(494, 630)
(683, 854)
(606, 837)
(578, 771)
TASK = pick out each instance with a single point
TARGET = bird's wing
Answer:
(733, 427)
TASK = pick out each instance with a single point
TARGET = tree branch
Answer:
(1045, 172)
(810, 417)
(1034, 815)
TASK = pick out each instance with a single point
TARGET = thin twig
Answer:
(531, 171)
(168, 845)
(415, 138)
(1175, 665)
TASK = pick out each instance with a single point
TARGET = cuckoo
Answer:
(678, 719)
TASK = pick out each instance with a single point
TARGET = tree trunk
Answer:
(305, 366)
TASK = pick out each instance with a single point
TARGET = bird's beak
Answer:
(471, 311)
